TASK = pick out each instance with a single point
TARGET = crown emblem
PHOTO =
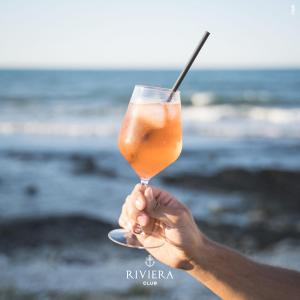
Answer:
(149, 261)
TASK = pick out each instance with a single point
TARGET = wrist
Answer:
(200, 255)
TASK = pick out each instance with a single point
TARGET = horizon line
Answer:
(157, 68)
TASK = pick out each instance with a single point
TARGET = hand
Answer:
(162, 215)
(226, 272)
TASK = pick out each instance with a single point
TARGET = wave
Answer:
(229, 112)
(216, 113)
(206, 118)
(71, 129)
(230, 121)
(247, 97)
(226, 121)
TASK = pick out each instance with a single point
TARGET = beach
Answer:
(63, 180)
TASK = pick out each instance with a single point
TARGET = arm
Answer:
(233, 276)
(224, 271)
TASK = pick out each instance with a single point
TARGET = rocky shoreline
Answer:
(51, 231)
(271, 201)
(74, 230)
(272, 183)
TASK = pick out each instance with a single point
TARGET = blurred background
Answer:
(68, 69)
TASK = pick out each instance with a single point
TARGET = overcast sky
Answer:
(148, 34)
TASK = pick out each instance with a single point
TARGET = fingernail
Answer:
(139, 203)
(142, 220)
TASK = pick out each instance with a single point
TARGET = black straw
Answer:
(188, 65)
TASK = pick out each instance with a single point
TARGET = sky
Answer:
(149, 34)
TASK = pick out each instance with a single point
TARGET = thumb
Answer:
(163, 206)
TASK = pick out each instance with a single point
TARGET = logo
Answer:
(149, 261)
(149, 276)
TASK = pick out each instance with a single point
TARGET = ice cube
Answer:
(172, 111)
(152, 115)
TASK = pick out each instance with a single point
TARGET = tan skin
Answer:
(226, 272)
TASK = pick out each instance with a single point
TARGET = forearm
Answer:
(233, 276)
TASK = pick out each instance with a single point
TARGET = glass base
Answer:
(129, 239)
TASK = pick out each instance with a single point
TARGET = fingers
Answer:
(158, 201)
(132, 211)
(164, 206)
(138, 194)
(146, 206)
(135, 204)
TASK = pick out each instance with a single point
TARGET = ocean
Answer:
(247, 103)
(60, 167)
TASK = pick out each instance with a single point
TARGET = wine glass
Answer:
(150, 139)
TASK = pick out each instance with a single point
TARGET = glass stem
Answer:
(144, 182)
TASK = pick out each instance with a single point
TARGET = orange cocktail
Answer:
(150, 138)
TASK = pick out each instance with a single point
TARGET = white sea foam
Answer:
(275, 115)
(202, 98)
(58, 128)
(247, 121)
(256, 113)
(209, 120)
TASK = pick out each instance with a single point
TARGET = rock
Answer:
(87, 165)
(248, 238)
(241, 179)
(281, 187)
(31, 190)
(51, 231)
